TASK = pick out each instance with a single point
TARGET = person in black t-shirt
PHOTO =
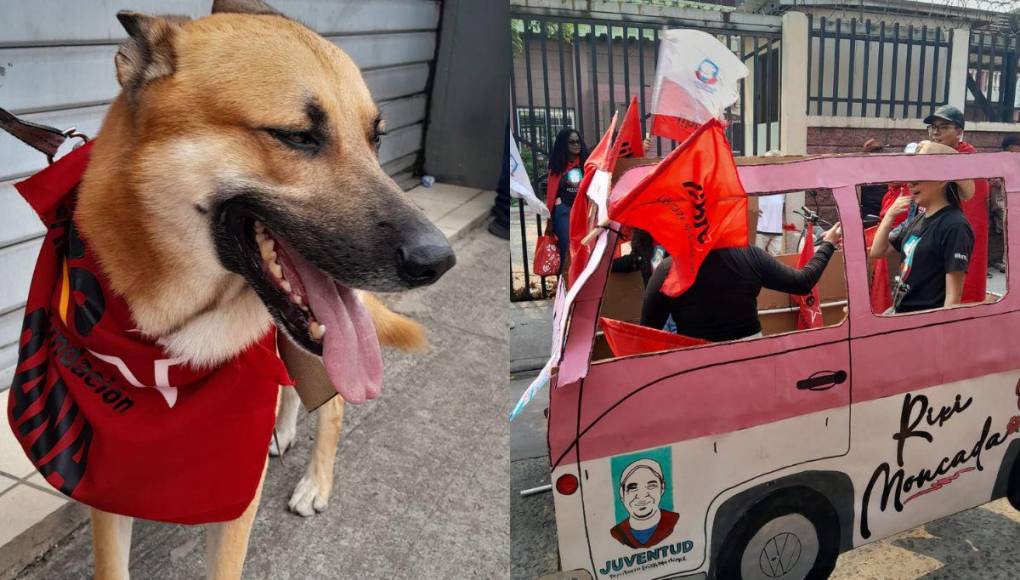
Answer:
(722, 303)
(566, 166)
(935, 245)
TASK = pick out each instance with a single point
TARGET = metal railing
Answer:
(573, 70)
(868, 69)
(992, 77)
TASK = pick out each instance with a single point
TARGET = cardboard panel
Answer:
(831, 286)
(780, 322)
(623, 296)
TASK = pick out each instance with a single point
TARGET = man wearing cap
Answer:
(641, 489)
(945, 127)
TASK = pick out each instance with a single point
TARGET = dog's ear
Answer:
(148, 52)
(243, 7)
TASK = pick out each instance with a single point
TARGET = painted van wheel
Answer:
(790, 536)
(785, 548)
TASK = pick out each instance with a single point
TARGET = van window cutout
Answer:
(910, 276)
(776, 223)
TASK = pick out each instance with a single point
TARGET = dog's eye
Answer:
(303, 140)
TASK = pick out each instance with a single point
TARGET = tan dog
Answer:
(234, 176)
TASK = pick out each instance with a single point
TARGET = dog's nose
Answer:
(425, 258)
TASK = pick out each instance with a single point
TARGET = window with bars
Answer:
(533, 123)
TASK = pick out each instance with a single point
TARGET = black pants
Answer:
(996, 240)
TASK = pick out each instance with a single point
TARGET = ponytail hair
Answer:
(953, 195)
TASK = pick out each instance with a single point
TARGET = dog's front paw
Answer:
(310, 496)
(281, 441)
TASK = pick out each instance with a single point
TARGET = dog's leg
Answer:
(286, 422)
(226, 543)
(111, 544)
(312, 493)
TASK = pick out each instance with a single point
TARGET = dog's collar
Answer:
(43, 138)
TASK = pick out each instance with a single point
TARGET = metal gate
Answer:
(575, 69)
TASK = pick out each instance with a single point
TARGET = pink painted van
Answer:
(765, 458)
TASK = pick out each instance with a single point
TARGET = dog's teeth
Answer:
(285, 285)
(259, 228)
(276, 270)
(316, 330)
(295, 298)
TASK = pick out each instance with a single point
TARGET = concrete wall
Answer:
(470, 94)
(56, 68)
(822, 140)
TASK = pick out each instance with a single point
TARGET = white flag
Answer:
(520, 184)
(696, 79)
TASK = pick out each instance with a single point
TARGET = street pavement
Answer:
(977, 544)
(421, 473)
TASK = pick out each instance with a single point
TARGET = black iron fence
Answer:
(875, 69)
(992, 79)
(868, 69)
(574, 71)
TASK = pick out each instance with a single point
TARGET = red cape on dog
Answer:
(105, 414)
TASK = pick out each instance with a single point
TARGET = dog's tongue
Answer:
(350, 348)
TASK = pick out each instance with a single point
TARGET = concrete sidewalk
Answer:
(421, 472)
(530, 334)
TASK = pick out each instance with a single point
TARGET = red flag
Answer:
(879, 290)
(625, 338)
(691, 203)
(630, 140)
(581, 221)
(599, 156)
(673, 128)
(976, 211)
(810, 315)
(627, 143)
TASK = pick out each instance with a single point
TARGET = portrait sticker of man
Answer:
(644, 499)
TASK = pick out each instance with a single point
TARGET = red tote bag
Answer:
(547, 255)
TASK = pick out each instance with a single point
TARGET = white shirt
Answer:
(771, 219)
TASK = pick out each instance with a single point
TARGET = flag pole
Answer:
(604, 224)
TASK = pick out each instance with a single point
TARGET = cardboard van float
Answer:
(765, 458)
